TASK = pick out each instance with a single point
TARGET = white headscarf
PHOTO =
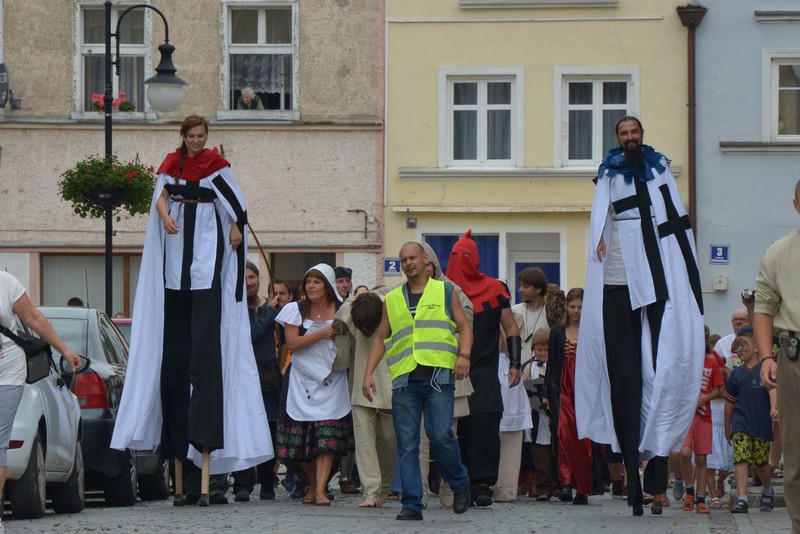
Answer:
(330, 276)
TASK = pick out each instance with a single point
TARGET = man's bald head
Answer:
(739, 319)
(412, 260)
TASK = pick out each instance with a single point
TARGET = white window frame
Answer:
(225, 112)
(771, 59)
(125, 50)
(449, 75)
(562, 76)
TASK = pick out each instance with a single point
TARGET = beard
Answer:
(634, 155)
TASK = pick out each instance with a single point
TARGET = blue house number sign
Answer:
(720, 254)
(391, 267)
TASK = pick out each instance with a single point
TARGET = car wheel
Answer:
(70, 497)
(155, 487)
(120, 490)
(28, 495)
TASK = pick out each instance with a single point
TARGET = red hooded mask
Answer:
(462, 269)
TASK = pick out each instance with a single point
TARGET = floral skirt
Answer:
(302, 441)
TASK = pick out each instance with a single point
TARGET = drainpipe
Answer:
(691, 16)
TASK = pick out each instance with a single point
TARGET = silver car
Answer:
(121, 475)
(44, 453)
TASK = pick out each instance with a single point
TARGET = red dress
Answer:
(574, 455)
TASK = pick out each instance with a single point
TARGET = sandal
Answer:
(310, 498)
(322, 500)
(716, 503)
(777, 473)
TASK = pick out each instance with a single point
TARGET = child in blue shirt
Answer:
(748, 421)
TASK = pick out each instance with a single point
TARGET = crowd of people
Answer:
(440, 382)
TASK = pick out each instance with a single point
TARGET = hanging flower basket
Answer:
(97, 183)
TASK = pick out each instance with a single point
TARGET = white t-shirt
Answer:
(723, 348)
(12, 358)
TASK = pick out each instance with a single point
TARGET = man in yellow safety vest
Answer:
(418, 333)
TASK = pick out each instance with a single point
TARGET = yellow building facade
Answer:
(498, 114)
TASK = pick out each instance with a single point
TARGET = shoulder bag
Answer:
(37, 353)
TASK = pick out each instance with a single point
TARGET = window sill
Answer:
(253, 115)
(117, 116)
(777, 16)
(757, 147)
(420, 173)
(493, 4)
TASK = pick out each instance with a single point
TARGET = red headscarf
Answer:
(462, 269)
(195, 168)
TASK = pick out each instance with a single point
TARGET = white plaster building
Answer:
(310, 163)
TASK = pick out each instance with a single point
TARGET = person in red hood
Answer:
(479, 433)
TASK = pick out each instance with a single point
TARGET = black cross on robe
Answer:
(678, 225)
(641, 201)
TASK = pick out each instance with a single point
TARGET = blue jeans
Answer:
(408, 405)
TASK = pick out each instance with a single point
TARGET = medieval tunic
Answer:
(191, 325)
(479, 432)
(660, 306)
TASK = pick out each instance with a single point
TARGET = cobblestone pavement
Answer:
(603, 515)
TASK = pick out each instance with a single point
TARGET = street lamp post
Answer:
(164, 92)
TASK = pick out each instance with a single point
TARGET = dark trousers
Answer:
(192, 356)
(192, 476)
(544, 463)
(246, 479)
(622, 327)
(479, 438)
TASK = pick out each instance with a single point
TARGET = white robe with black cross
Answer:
(658, 252)
(139, 419)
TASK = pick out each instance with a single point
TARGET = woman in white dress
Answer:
(316, 420)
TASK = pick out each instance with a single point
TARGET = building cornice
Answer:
(528, 173)
(67, 124)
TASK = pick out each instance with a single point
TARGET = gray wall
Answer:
(744, 199)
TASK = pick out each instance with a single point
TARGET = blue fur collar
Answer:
(615, 163)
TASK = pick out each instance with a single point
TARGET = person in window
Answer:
(14, 301)
(192, 363)
(249, 100)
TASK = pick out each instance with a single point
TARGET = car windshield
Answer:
(73, 332)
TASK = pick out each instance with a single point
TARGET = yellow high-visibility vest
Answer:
(428, 338)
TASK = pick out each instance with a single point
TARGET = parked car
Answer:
(124, 325)
(44, 452)
(120, 474)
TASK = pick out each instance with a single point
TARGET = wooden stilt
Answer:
(204, 480)
(178, 498)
